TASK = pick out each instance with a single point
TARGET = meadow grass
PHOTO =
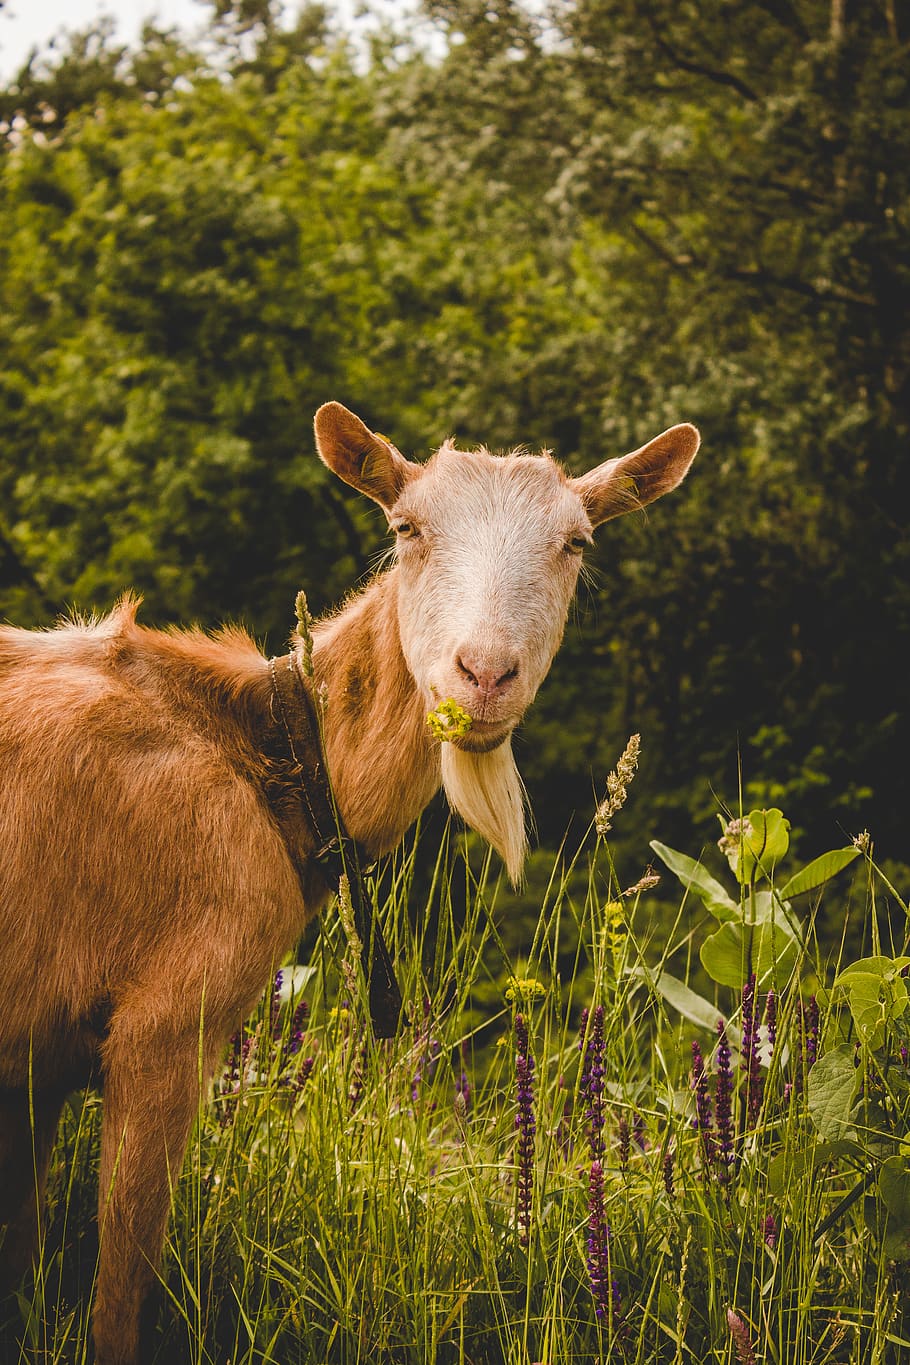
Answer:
(529, 1172)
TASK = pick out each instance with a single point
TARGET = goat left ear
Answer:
(628, 483)
(364, 460)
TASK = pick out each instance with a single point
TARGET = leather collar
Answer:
(299, 746)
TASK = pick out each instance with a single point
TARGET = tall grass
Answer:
(344, 1201)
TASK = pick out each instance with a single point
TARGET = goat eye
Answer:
(405, 530)
(575, 544)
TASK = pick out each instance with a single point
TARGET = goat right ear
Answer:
(358, 456)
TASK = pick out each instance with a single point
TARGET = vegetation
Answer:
(689, 1147)
(569, 232)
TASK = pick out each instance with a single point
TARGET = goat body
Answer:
(148, 881)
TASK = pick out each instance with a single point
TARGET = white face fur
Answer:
(488, 552)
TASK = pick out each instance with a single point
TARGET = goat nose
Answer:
(489, 676)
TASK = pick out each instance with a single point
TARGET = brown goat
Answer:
(148, 880)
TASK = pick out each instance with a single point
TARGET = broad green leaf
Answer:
(695, 878)
(885, 967)
(894, 1190)
(819, 871)
(764, 842)
(877, 994)
(685, 1001)
(833, 1083)
(767, 948)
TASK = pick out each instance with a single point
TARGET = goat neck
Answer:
(383, 765)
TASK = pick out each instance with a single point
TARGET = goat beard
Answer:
(488, 793)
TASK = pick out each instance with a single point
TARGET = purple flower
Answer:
(275, 1005)
(769, 1231)
(771, 1017)
(604, 1289)
(750, 1062)
(812, 1023)
(807, 1053)
(669, 1183)
(295, 1034)
(462, 1095)
(229, 1084)
(703, 1122)
(592, 1078)
(723, 1101)
(524, 1122)
(304, 1071)
(624, 1142)
(742, 1343)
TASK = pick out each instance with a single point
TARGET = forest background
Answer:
(566, 226)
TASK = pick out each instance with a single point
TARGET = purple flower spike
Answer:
(592, 1080)
(524, 1122)
(603, 1289)
(463, 1095)
(769, 1231)
(230, 1081)
(742, 1342)
(669, 1183)
(807, 1052)
(582, 1029)
(771, 1017)
(625, 1143)
(304, 1072)
(750, 1059)
(703, 1122)
(812, 1023)
(275, 1005)
(294, 1041)
(723, 1102)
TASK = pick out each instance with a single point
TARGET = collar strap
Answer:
(336, 852)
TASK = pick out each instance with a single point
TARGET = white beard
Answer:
(488, 793)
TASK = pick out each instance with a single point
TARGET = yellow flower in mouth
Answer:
(448, 721)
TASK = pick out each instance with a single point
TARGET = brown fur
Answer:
(146, 886)
(148, 883)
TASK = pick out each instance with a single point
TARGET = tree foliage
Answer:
(568, 231)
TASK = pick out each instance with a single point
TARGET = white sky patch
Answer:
(29, 24)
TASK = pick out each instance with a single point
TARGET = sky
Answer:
(25, 24)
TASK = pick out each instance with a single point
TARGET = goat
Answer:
(147, 874)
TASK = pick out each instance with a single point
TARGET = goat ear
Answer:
(625, 484)
(364, 460)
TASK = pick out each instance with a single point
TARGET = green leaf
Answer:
(877, 994)
(685, 1001)
(695, 878)
(894, 1188)
(769, 949)
(883, 967)
(894, 1192)
(833, 1083)
(762, 845)
(819, 871)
